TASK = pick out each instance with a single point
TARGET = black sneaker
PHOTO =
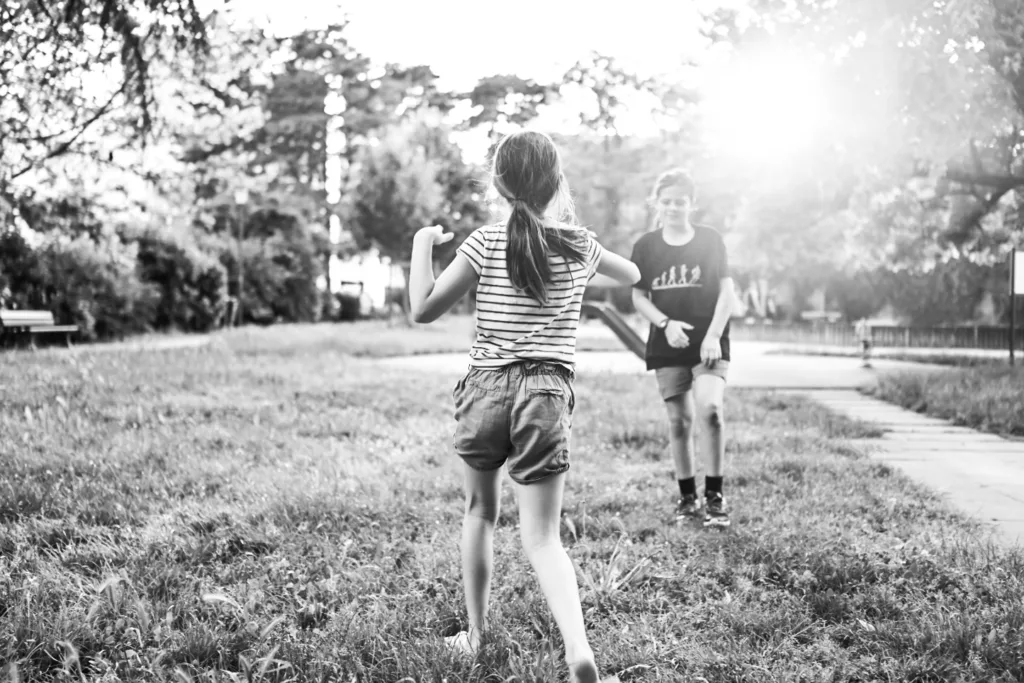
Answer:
(715, 514)
(688, 507)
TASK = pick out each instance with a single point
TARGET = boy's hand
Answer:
(710, 350)
(675, 334)
(434, 234)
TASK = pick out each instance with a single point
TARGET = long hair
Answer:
(527, 171)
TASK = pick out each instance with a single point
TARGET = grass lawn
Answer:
(278, 507)
(989, 398)
(977, 391)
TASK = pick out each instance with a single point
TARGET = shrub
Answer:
(297, 262)
(192, 284)
(280, 273)
(96, 286)
(22, 280)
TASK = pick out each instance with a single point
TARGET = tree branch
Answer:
(966, 225)
(1009, 182)
(65, 146)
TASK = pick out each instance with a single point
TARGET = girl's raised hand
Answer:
(434, 234)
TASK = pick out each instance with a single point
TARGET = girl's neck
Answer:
(678, 235)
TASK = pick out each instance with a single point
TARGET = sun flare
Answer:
(764, 108)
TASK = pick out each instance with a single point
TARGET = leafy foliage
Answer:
(281, 264)
(931, 91)
(506, 101)
(22, 279)
(95, 285)
(402, 185)
(48, 50)
(192, 284)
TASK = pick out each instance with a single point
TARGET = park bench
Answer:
(18, 326)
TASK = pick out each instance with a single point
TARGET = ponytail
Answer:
(528, 173)
(529, 244)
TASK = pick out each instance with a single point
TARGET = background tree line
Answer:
(151, 150)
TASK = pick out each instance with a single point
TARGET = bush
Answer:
(96, 286)
(298, 299)
(192, 284)
(22, 280)
(279, 280)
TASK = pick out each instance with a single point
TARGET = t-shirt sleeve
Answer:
(637, 257)
(594, 252)
(474, 248)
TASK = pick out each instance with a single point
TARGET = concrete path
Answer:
(753, 365)
(982, 474)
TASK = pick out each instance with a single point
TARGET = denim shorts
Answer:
(674, 381)
(520, 414)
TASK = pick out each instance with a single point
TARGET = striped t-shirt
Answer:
(510, 325)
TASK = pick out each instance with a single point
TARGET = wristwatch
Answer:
(663, 323)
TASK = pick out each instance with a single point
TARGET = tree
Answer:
(954, 291)
(610, 186)
(607, 172)
(463, 207)
(48, 50)
(506, 101)
(415, 176)
(934, 89)
(610, 86)
(395, 191)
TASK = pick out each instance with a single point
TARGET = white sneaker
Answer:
(460, 644)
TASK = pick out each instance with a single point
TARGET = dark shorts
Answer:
(520, 414)
(676, 381)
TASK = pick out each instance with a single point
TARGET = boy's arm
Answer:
(723, 308)
(645, 307)
(641, 290)
(675, 330)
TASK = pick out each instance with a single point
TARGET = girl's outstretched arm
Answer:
(618, 268)
(430, 299)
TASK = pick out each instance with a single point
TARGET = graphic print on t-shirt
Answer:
(668, 280)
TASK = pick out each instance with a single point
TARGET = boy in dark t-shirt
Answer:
(686, 293)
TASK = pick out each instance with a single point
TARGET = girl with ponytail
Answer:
(514, 405)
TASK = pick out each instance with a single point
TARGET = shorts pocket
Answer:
(481, 425)
(547, 403)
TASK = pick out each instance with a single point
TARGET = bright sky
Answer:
(465, 40)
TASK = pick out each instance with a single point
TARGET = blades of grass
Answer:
(571, 527)
(220, 597)
(266, 661)
(270, 627)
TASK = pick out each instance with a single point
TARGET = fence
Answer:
(842, 334)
